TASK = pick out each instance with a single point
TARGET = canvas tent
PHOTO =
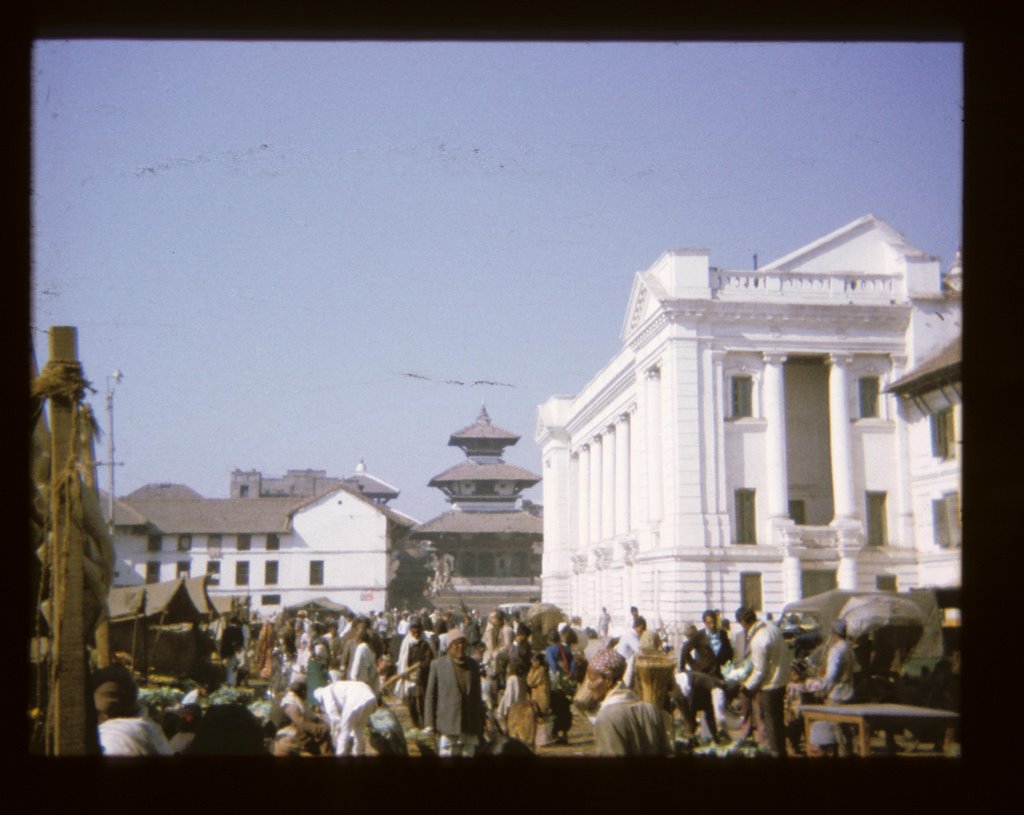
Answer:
(157, 624)
(823, 609)
(319, 606)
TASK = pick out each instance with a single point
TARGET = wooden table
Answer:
(868, 716)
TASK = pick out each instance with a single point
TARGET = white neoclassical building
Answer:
(742, 446)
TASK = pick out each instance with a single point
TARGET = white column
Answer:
(904, 501)
(849, 546)
(839, 425)
(622, 479)
(638, 457)
(609, 447)
(791, 578)
(596, 478)
(722, 497)
(775, 447)
(583, 500)
(654, 442)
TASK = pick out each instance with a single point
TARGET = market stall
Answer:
(158, 625)
(868, 717)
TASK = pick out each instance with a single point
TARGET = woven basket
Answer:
(654, 677)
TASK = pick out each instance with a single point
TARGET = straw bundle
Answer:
(654, 677)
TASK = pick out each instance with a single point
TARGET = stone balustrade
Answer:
(814, 537)
(860, 286)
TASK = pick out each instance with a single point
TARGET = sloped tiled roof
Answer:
(163, 491)
(482, 429)
(460, 522)
(368, 485)
(124, 515)
(939, 369)
(351, 489)
(471, 471)
(371, 485)
(215, 515)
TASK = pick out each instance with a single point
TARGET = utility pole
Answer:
(112, 379)
(70, 733)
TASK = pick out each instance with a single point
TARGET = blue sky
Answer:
(267, 237)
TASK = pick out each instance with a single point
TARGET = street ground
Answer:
(581, 739)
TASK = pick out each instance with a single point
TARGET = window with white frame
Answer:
(876, 518)
(868, 390)
(742, 396)
(943, 434)
(946, 520)
(886, 582)
(750, 590)
(746, 526)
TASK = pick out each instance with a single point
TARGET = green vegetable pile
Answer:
(261, 710)
(692, 746)
(158, 699)
(232, 696)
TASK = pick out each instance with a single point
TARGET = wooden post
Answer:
(71, 734)
(135, 632)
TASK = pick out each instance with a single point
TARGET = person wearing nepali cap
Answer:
(624, 725)
(454, 705)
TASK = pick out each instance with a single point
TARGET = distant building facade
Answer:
(342, 542)
(307, 483)
(744, 447)
(488, 545)
(931, 406)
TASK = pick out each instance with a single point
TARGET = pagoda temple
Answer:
(488, 545)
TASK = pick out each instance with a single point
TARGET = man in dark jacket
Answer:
(706, 650)
(454, 705)
(702, 656)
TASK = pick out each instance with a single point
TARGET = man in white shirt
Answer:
(766, 685)
(348, 706)
(124, 729)
(629, 644)
(403, 624)
(363, 667)
(629, 647)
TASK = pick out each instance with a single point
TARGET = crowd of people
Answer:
(472, 685)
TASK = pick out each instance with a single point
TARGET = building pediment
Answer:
(867, 244)
(644, 302)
